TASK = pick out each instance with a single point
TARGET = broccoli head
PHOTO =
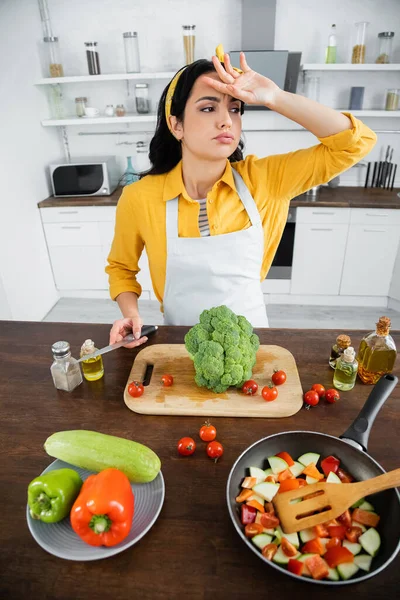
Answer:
(223, 349)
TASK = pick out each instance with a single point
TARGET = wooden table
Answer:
(193, 550)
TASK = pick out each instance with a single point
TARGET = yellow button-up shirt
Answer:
(272, 181)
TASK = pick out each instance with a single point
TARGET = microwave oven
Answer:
(98, 176)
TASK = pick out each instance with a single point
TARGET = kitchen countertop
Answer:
(341, 197)
(193, 548)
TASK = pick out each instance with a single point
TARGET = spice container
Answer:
(377, 353)
(80, 105)
(92, 368)
(53, 59)
(385, 42)
(392, 99)
(342, 342)
(359, 46)
(142, 98)
(120, 110)
(189, 38)
(131, 48)
(65, 369)
(109, 110)
(345, 374)
(93, 58)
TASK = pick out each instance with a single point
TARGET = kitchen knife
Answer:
(367, 175)
(374, 174)
(393, 178)
(146, 331)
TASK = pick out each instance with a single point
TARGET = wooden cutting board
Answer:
(184, 397)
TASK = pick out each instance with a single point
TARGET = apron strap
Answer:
(246, 198)
(172, 219)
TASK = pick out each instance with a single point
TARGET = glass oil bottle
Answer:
(342, 342)
(345, 374)
(377, 353)
(92, 368)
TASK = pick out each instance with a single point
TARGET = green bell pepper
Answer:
(51, 495)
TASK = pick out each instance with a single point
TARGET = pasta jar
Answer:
(131, 47)
(359, 46)
(54, 66)
(385, 41)
(392, 99)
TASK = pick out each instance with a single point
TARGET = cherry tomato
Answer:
(167, 380)
(135, 389)
(331, 396)
(215, 450)
(269, 551)
(250, 387)
(311, 397)
(253, 529)
(207, 432)
(279, 377)
(186, 446)
(269, 393)
(317, 387)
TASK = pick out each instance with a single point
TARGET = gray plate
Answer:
(59, 538)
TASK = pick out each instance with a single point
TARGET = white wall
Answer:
(394, 292)
(5, 312)
(25, 148)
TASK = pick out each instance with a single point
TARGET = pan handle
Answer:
(360, 429)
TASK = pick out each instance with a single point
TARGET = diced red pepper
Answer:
(321, 531)
(345, 519)
(337, 531)
(269, 551)
(284, 475)
(313, 547)
(330, 464)
(336, 556)
(244, 495)
(365, 517)
(249, 482)
(353, 533)
(248, 514)
(312, 471)
(344, 476)
(269, 521)
(288, 484)
(333, 542)
(295, 566)
(288, 548)
(317, 567)
(286, 457)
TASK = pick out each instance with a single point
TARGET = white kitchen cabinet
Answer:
(370, 255)
(318, 257)
(78, 267)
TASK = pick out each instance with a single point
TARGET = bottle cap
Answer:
(60, 349)
(383, 326)
(343, 341)
(349, 354)
(87, 347)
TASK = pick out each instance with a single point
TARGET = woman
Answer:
(210, 220)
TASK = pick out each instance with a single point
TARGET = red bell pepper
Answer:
(312, 471)
(345, 519)
(286, 456)
(353, 533)
(337, 531)
(321, 531)
(285, 475)
(330, 463)
(295, 566)
(317, 567)
(103, 512)
(313, 547)
(248, 514)
(333, 542)
(344, 476)
(365, 517)
(336, 556)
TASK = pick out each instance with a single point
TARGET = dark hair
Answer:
(165, 149)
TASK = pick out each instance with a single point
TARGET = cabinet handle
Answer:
(375, 230)
(71, 227)
(67, 212)
(321, 229)
(322, 213)
(377, 215)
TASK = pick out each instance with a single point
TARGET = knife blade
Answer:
(146, 331)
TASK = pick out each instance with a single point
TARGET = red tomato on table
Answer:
(331, 396)
(311, 398)
(215, 450)
(207, 432)
(186, 446)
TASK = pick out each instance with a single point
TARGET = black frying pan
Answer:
(351, 450)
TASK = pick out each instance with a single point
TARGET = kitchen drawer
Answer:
(78, 214)
(72, 234)
(78, 268)
(322, 215)
(375, 216)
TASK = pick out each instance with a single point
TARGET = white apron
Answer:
(203, 272)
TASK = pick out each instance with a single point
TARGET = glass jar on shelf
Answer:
(385, 42)
(311, 87)
(80, 105)
(392, 99)
(120, 110)
(93, 58)
(359, 45)
(131, 47)
(189, 38)
(142, 98)
(53, 57)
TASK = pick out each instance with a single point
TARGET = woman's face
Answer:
(212, 122)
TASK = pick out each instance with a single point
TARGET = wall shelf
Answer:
(83, 122)
(350, 67)
(109, 77)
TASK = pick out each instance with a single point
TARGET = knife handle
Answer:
(146, 331)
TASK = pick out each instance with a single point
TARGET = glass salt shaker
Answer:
(131, 47)
(142, 98)
(65, 369)
(80, 104)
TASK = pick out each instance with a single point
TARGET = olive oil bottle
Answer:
(377, 353)
(92, 368)
(346, 370)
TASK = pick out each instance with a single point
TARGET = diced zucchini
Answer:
(302, 558)
(293, 538)
(358, 503)
(332, 478)
(268, 472)
(363, 561)
(309, 457)
(360, 525)
(266, 490)
(354, 548)
(256, 497)
(277, 464)
(278, 534)
(333, 575)
(347, 570)
(257, 473)
(261, 540)
(307, 534)
(280, 557)
(366, 506)
(311, 480)
(370, 541)
(296, 469)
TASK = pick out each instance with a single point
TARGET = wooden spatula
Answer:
(332, 500)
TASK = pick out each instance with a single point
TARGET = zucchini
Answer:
(311, 480)
(266, 490)
(307, 534)
(97, 451)
(280, 557)
(366, 506)
(261, 540)
(309, 457)
(333, 575)
(257, 473)
(296, 469)
(354, 548)
(293, 538)
(347, 570)
(358, 503)
(360, 525)
(332, 478)
(370, 541)
(363, 561)
(277, 464)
